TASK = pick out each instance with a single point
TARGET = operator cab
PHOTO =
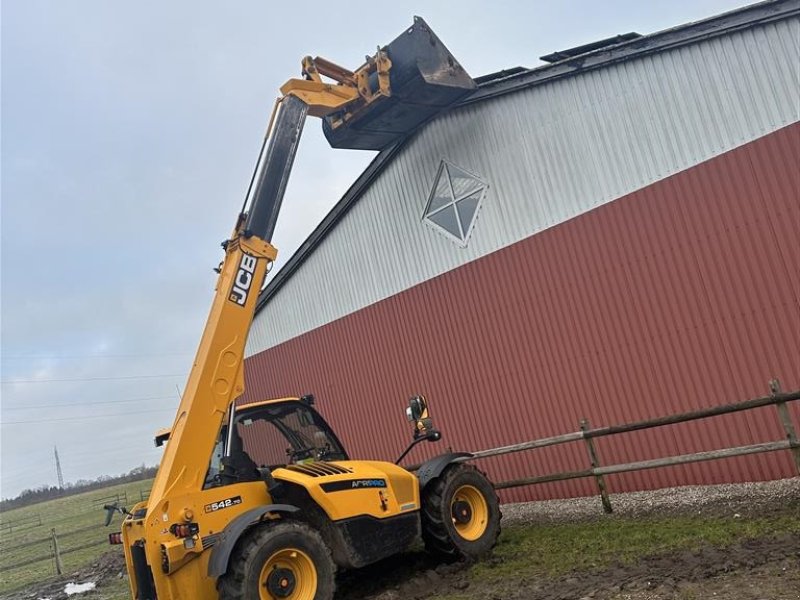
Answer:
(270, 435)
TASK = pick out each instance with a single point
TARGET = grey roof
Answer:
(517, 78)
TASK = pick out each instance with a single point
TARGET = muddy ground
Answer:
(766, 567)
(758, 569)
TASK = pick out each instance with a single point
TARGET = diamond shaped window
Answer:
(454, 202)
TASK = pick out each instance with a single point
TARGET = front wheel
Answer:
(284, 561)
(460, 514)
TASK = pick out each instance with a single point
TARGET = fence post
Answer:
(56, 553)
(786, 421)
(601, 483)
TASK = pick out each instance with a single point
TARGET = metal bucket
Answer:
(424, 78)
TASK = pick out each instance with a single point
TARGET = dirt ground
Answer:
(759, 569)
(763, 567)
(109, 568)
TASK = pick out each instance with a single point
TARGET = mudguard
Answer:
(432, 468)
(223, 547)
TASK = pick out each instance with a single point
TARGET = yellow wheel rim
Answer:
(288, 574)
(470, 512)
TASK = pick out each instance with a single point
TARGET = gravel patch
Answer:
(742, 499)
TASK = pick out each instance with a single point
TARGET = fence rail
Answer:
(55, 552)
(121, 497)
(52, 543)
(23, 523)
(596, 470)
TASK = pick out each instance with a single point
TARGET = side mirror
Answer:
(417, 413)
(162, 435)
(111, 509)
(416, 408)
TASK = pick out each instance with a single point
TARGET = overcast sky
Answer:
(129, 132)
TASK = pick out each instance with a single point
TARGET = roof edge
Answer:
(515, 79)
(681, 35)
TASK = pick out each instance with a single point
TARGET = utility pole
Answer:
(58, 469)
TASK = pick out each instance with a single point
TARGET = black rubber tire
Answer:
(438, 530)
(241, 582)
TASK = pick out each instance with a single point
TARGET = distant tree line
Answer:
(48, 492)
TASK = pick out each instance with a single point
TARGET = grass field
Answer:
(78, 521)
(553, 550)
(554, 555)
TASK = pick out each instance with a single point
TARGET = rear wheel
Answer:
(284, 561)
(460, 514)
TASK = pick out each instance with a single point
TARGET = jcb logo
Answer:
(243, 280)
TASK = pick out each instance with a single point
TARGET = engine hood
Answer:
(345, 489)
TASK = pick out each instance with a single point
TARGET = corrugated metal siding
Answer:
(678, 296)
(550, 153)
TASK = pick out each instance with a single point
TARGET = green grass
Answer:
(554, 550)
(523, 553)
(65, 515)
(549, 551)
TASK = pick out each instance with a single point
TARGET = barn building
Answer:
(611, 236)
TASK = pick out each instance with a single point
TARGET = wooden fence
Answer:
(28, 522)
(777, 399)
(596, 470)
(55, 544)
(54, 550)
(99, 502)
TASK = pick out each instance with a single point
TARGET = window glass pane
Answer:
(262, 441)
(446, 219)
(441, 195)
(467, 208)
(284, 433)
(464, 184)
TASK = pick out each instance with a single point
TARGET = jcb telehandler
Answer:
(261, 501)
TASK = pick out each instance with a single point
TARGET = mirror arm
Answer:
(431, 435)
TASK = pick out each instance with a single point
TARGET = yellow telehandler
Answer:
(261, 501)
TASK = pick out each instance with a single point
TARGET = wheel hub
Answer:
(462, 512)
(281, 582)
(469, 512)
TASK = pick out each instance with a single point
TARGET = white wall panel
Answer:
(549, 152)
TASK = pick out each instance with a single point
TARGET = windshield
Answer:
(272, 436)
(279, 434)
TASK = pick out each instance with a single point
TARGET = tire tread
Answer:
(231, 586)
(435, 509)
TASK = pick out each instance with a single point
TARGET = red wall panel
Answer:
(682, 295)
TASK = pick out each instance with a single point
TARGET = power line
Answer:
(87, 403)
(37, 421)
(138, 444)
(76, 356)
(10, 381)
